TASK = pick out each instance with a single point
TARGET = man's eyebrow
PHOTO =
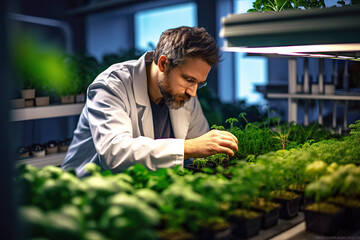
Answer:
(187, 77)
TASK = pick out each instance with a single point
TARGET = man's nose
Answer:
(192, 90)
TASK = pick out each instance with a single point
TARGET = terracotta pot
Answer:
(17, 103)
(51, 147)
(28, 93)
(24, 152)
(29, 102)
(38, 150)
(67, 99)
(42, 101)
(64, 145)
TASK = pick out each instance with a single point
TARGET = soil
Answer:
(323, 207)
(285, 195)
(264, 205)
(245, 213)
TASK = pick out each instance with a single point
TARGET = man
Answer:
(147, 112)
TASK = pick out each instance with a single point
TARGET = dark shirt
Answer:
(161, 120)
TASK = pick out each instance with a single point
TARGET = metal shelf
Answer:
(326, 32)
(45, 112)
(314, 96)
(40, 162)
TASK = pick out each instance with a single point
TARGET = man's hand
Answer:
(215, 141)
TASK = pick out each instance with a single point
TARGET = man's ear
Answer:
(162, 63)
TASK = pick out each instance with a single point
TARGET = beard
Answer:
(172, 100)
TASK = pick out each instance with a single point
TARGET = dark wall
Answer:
(58, 10)
(7, 203)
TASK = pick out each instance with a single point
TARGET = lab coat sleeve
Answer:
(112, 130)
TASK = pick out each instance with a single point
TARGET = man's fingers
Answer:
(226, 150)
(229, 144)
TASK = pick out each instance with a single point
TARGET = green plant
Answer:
(200, 163)
(282, 135)
(279, 5)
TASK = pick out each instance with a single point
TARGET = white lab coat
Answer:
(115, 129)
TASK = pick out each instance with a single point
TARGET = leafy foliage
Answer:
(136, 203)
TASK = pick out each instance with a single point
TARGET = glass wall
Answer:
(149, 24)
(249, 70)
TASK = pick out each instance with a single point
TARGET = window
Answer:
(249, 71)
(149, 24)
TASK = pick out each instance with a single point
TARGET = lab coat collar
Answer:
(180, 118)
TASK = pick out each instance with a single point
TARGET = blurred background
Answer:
(58, 47)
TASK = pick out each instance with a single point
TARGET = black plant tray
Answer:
(323, 223)
(282, 226)
(195, 169)
(246, 227)
(289, 207)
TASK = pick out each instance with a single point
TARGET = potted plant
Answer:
(340, 186)
(323, 218)
(270, 211)
(51, 147)
(289, 202)
(247, 223)
(68, 91)
(64, 145)
(28, 91)
(38, 150)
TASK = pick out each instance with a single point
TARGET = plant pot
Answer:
(318, 221)
(28, 93)
(214, 231)
(51, 147)
(270, 211)
(289, 202)
(80, 98)
(245, 226)
(64, 145)
(351, 211)
(67, 99)
(29, 102)
(42, 101)
(23, 152)
(17, 103)
(38, 150)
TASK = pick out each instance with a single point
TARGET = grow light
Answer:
(337, 51)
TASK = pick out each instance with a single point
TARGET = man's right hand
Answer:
(212, 142)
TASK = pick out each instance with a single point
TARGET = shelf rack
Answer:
(51, 111)
(332, 33)
(40, 162)
(33, 113)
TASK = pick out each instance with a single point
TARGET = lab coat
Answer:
(115, 128)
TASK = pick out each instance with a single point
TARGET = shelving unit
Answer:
(51, 111)
(40, 162)
(332, 33)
